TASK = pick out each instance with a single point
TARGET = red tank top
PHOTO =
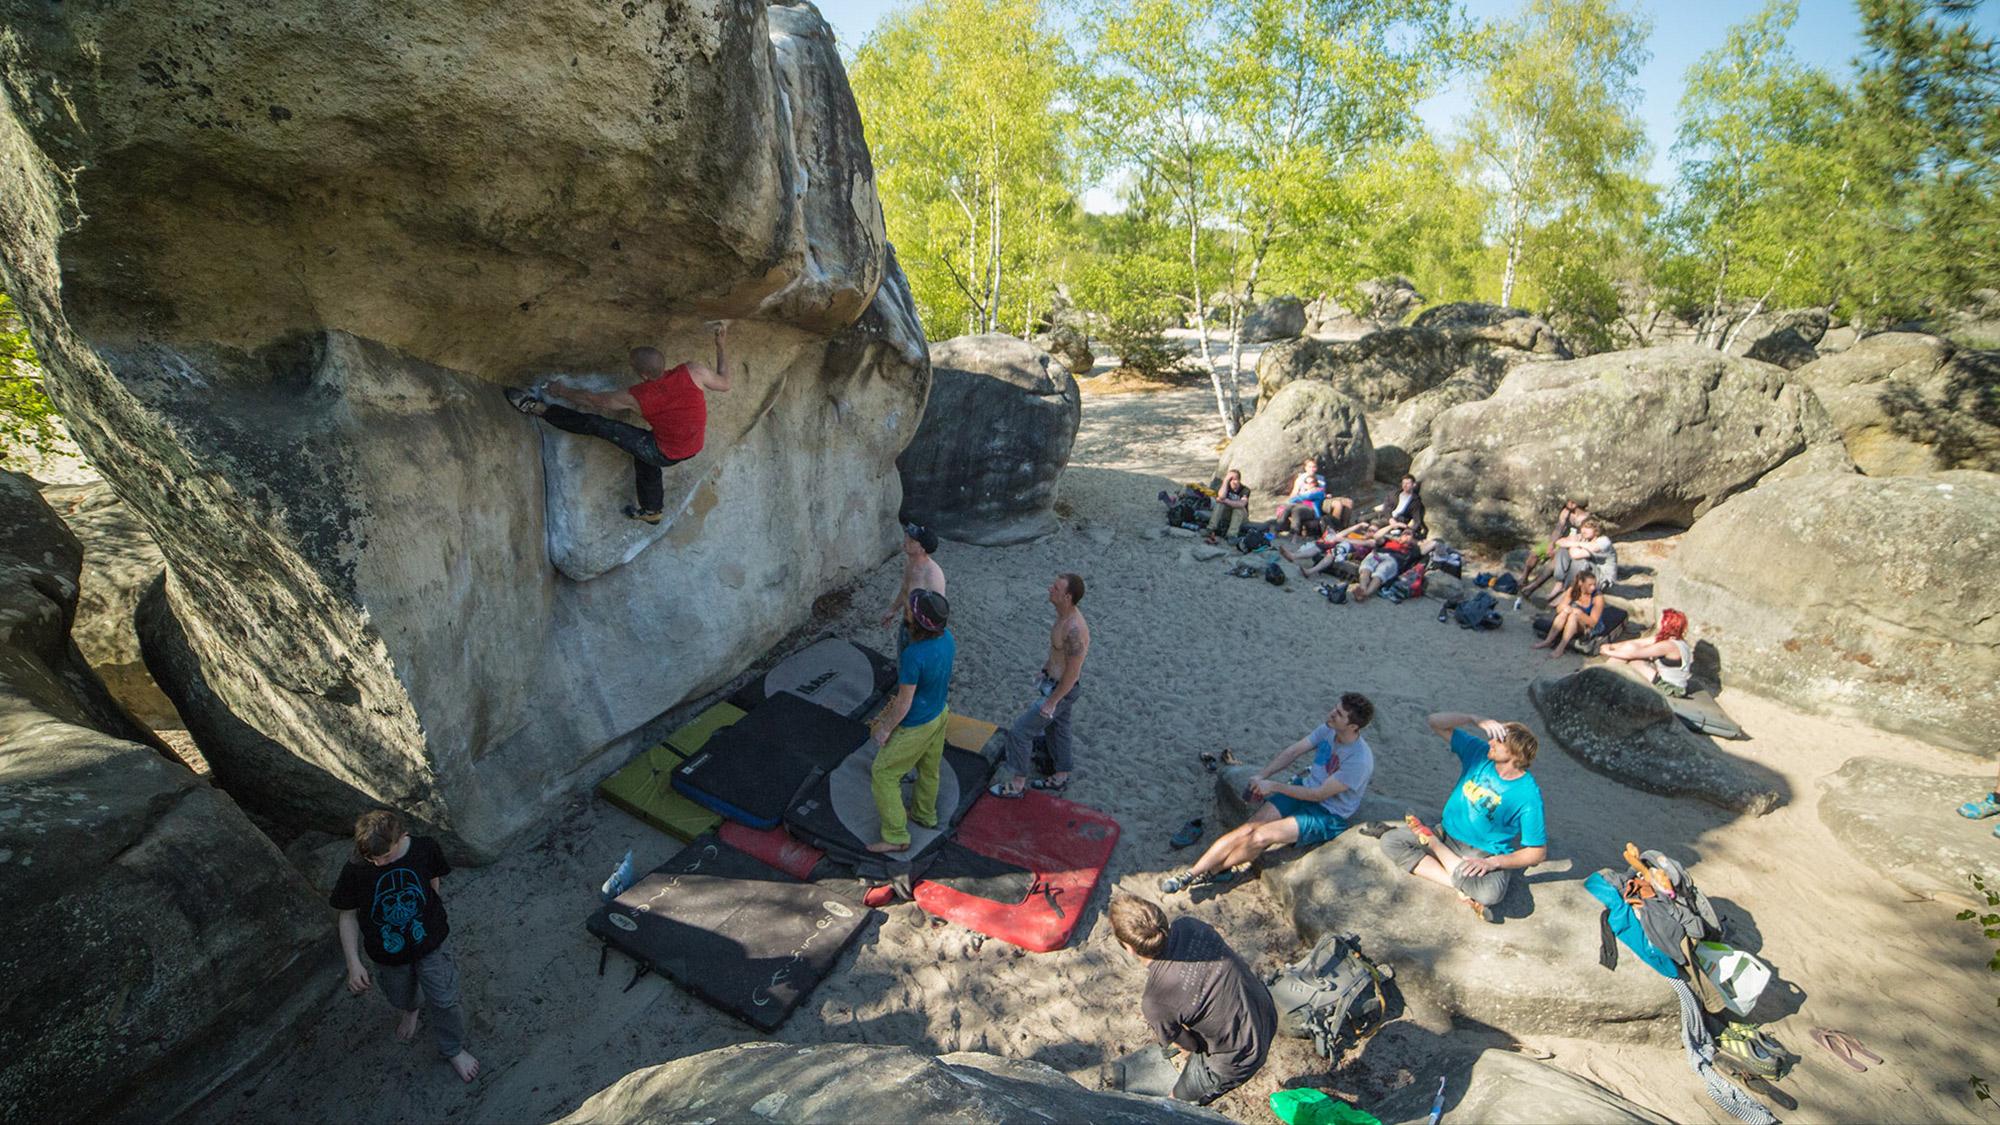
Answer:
(676, 410)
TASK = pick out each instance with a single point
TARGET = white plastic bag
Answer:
(1741, 977)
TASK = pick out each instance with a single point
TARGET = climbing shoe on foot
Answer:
(1984, 807)
(633, 512)
(525, 401)
(1181, 881)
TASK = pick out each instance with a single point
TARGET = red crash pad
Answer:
(776, 847)
(1064, 844)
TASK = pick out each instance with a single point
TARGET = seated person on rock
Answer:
(1395, 551)
(1407, 509)
(1200, 996)
(1574, 554)
(1986, 806)
(909, 734)
(1568, 522)
(1666, 658)
(1232, 508)
(1492, 824)
(1308, 489)
(671, 402)
(920, 572)
(1578, 612)
(1309, 810)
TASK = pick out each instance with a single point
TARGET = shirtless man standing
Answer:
(920, 572)
(1059, 685)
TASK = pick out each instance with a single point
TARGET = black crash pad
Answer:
(750, 770)
(747, 938)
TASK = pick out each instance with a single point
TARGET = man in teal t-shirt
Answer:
(1492, 821)
(910, 731)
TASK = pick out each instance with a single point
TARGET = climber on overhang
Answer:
(671, 402)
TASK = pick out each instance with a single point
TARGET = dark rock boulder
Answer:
(1898, 820)
(153, 942)
(1787, 347)
(1274, 318)
(1468, 314)
(1653, 435)
(1304, 420)
(1805, 600)
(1387, 300)
(1906, 402)
(1624, 730)
(1386, 367)
(995, 437)
(840, 1082)
(120, 560)
(1404, 432)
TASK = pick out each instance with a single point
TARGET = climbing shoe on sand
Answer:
(1984, 807)
(1189, 834)
(525, 401)
(633, 512)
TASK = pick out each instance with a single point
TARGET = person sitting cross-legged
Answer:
(1310, 811)
(1492, 824)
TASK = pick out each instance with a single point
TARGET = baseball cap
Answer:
(925, 537)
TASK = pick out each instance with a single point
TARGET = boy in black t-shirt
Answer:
(388, 900)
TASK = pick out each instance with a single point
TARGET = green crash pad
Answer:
(645, 788)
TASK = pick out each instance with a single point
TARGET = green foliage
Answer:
(1988, 922)
(27, 417)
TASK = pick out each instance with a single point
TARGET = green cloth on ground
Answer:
(1307, 1106)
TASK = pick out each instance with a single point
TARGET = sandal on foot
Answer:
(1981, 809)
(1190, 833)
(1424, 835)
(1006, 792)
(1484, 911)
(525, 401)
(1049, 784)
(634, 512)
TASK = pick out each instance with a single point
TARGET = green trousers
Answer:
(919, 746)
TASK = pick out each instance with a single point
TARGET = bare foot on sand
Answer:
(406, 1028)
(466, 1066)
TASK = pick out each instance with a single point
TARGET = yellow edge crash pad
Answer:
(645, 789)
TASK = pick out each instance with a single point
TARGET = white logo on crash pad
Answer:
(624, 923)
(836, 909)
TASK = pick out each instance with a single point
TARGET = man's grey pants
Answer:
(1405, 851)
(437, 974)
(1021, 734)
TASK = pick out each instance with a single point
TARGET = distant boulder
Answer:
(994, 439)
(1384, 368)
(1274, 318)
(1906, 402)
(1468, 314)
(1387, 300)
(1305, 420)
(1787, 347)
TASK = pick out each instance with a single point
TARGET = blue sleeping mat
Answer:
(750, 770)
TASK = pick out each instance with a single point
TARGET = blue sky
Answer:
(1827, 34)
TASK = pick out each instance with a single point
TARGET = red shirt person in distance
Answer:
(671, 402)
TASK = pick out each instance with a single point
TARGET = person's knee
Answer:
(1485, 890)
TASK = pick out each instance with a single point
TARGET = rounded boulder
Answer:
(1305, 420)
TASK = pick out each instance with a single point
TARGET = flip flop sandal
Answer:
(1190, 833)
(1844, 1047)
(1229, 757)
(1210, 760)
(1049, 784)
(1001, 790)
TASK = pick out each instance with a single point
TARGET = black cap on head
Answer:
(925, 537)
(930, 611)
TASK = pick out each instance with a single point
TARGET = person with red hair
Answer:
(1666, 657)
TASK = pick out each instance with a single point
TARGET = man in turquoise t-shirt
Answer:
(910, 731)
(1492, 821)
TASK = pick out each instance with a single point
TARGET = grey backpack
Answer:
(1333, 995)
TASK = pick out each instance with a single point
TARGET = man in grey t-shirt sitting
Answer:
(1200, 997)
(1309, 813)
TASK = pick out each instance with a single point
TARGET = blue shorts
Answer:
(1316, 825)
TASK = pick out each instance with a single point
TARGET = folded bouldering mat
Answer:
(1700, 713)
(750, 770)
(1064, 847)
(745, 937)
(836, 812)
(837, 674)
(645, 788)
(775, 846)
(982, 738)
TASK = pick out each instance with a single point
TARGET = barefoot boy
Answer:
(388, 900)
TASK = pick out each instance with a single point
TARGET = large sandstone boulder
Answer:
(1905, 402)
(1654, 435)
(1623, 729)
(1387, 300)
(120, 560)
(1901, 822)
(1404, 432)
(1808, 599)
(1274, 318)
(995, 438)
(1304, 420)
(842, 1082)
(1534, 973)
(153, 942)
(1468, 314)
(1384, 368)
(1499, 1087)
(278, 275)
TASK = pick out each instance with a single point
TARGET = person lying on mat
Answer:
(1309, 810)
(920, 572)
(1492, 823)
(671, 402)
(1058, 683)
(910, 731)
(1200, 996)
(1665, 658)
(1395, 551)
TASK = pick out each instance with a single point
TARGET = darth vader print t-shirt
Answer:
(402, 917)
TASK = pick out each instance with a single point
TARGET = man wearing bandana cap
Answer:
(910, 731)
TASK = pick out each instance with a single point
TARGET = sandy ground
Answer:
(1184, 659)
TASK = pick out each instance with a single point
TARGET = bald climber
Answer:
(671, 402)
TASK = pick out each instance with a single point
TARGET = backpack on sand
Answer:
(1274, 574)
(1479, 611)
(1333, 995)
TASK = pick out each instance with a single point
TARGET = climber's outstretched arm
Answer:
(715, 378)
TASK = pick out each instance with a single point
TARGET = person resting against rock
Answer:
(1395, 551)
(1665, 658)
(1407, 510)
(1492, 824)
(1232, 508)
(1579, 611)
(671, 402)
(1568, 522)
(1310, 810)
(1589, 548)
(1308, 489)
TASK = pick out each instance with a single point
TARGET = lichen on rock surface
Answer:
(279, 261)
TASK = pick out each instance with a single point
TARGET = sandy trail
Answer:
(1184, 659)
